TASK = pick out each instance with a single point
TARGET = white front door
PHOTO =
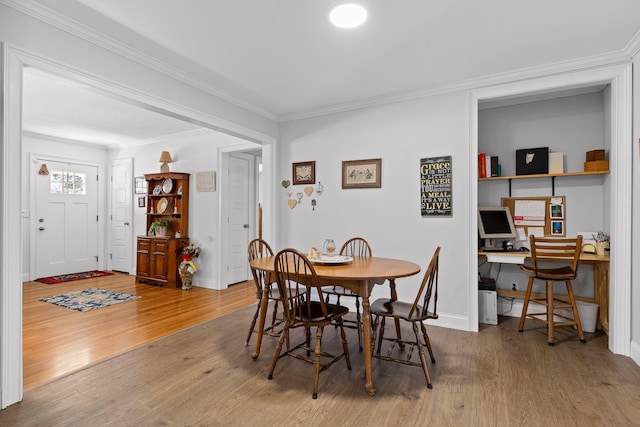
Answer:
(66, 219)
(238, 218)
(121, 245)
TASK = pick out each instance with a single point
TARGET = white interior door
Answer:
(66, 219)
(238, 219)
(121, 238)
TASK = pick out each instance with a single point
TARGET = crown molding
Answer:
(633, 47)
(61, 139)
(558, 68)
(63, 22)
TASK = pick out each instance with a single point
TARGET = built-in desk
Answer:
(600, 279)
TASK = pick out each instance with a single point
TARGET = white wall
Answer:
(572, 125)
(389, 218)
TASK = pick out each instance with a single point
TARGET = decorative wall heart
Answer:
(308, 190)
(292, 203)
(286, 183)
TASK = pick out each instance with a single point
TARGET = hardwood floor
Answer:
(58, 341)
(204, 376)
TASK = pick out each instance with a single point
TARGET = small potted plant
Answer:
(159, 227)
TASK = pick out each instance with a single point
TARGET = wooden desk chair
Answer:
(415, 313)
(557, 248)
(296, 280)
(356, 246)
(264, 281)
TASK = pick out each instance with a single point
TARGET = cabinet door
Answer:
(159, 263)
(142, 258)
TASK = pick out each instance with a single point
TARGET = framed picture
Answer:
(141, 185)
(141, 202)
(556, 211)
(362, 173)
(304, 173)
(205, 181)
(557, 228)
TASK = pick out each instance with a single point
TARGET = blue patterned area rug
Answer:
(89, 299)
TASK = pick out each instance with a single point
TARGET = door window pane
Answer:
(68, 182)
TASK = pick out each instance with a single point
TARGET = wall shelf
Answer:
(553, 177)
(546, 175)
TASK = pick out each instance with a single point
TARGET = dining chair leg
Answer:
(345, 345)
(316, 361)
(276, 354)
(394, 297)
(359, 322)
(253, 324)
(423, 359)
(550, 311)
(307, 331)
(381, 331)
(525, 304)
(374, 332)
(427, 341)
(274, 314)
(576, 314)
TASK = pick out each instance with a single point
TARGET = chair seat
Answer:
(315, 315)
(400, 310)
(559, 273)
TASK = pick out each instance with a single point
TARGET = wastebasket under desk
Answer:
(600, 266)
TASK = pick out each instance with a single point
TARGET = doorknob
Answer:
(41, 228)
(126, 223)
(246, 226)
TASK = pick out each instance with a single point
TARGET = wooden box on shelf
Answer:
(158, 257)
(596, 165)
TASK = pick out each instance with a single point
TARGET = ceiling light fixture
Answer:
(348, 15)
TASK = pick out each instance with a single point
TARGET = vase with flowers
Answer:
(188, 267)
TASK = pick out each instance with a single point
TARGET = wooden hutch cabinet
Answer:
(158, 257)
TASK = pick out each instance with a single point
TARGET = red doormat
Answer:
(71, 277)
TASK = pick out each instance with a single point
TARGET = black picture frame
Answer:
(142, 202)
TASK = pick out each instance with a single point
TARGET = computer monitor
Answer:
(495, 223)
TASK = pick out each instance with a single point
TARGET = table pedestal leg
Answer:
(264, 302)
(368, 351)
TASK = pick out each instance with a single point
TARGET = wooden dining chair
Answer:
(356, 246)
(423, 307)
(567, 249)
(297, 283)
(258, 248)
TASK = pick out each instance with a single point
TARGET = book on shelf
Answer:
(482, 165)
(494, 166)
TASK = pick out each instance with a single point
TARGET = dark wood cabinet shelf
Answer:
(158, 257)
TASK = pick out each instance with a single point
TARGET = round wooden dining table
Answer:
(359, 276)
